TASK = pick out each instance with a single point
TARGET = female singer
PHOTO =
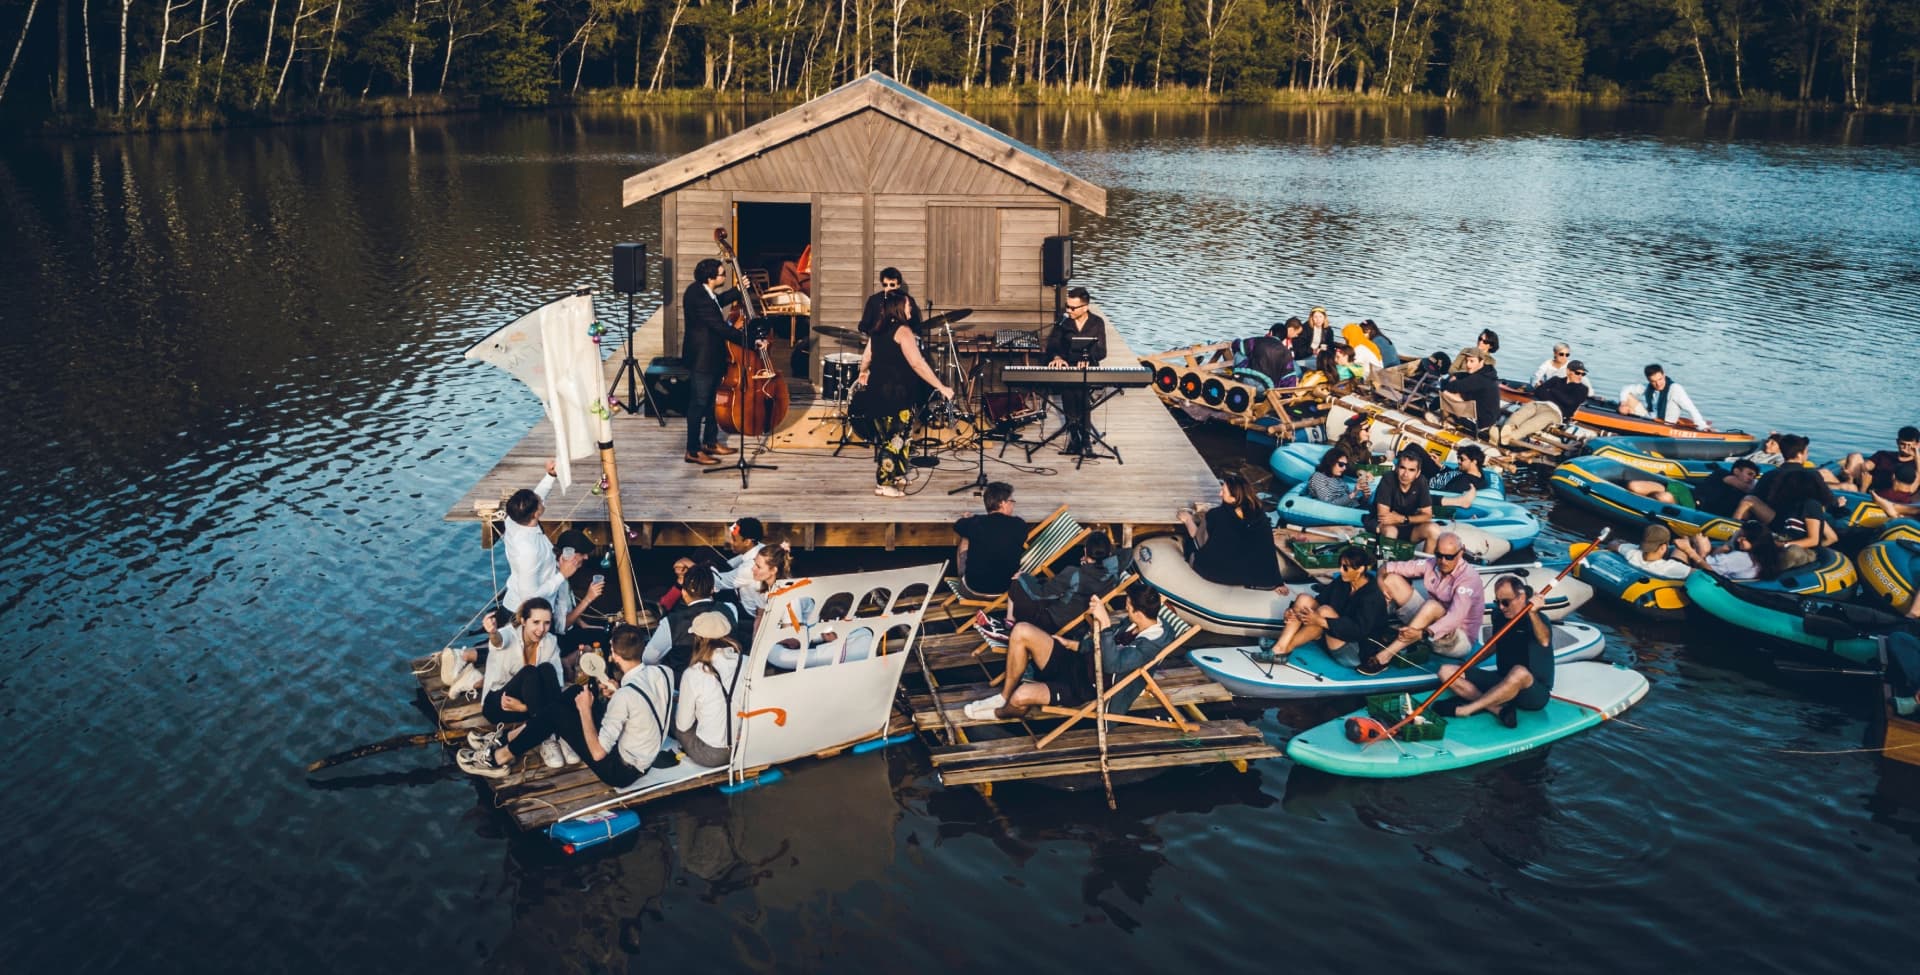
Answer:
(896, 376)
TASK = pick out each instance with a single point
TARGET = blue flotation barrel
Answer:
(1811, 606)
(584, 832)
(1502, 519)
(1598, 485)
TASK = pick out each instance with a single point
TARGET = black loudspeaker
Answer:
(667, 379)
(666, 282)
(1056, 261)
(629, 268)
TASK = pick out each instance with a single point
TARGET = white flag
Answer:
(549, 350)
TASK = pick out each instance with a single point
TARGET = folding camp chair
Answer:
(1107, 596)
(1181, 632)
(1045, 544)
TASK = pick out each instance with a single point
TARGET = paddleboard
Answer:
(1585, 694)
(1311, 672)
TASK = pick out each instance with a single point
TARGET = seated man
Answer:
(746, 538)
(1485, 346)
(1063, 670)
(1272, 355)
(1349, 615)
(1555, 400)
(1655, 554)
(1721, 494)
(1466, 480)
(1891, 477)
(1522, 674)
(991, 544)
(1662, 399)
(1793, 456)
(620, 741)
(1403, 505)
(1449, 614)
(1051, 603)
(672, 640)
(1476, 385)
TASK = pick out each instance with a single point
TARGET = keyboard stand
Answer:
(1093, 444)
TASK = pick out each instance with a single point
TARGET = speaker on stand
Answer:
(1056, 269)
(630, 278)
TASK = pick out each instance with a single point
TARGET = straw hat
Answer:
(711, 625)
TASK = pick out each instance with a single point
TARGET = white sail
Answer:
(550, 351)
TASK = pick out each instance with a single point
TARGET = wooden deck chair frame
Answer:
(1143, 673)
(1035, 561)
(1108, 596)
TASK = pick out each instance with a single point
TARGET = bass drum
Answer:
(837, 373)
(860, 407)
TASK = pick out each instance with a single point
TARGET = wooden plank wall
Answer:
(900, 240)
(963, 256)
(840, 283)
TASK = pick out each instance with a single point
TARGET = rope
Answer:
(1881, 750)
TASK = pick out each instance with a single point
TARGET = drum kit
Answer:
(973, 415)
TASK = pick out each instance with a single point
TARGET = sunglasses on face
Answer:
(1075, 307)
(889, 285)
(1578, 372)
(1446, 556)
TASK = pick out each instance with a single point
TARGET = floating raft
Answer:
(1203, 382)
(981, 761)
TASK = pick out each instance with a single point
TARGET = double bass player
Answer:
(705, 350)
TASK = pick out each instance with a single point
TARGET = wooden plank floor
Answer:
(816, 498)
(1184, 685)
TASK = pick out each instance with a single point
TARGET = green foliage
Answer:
(518, 69)
(1482, 30)
(1545, 53)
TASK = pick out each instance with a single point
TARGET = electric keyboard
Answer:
(1117, 377)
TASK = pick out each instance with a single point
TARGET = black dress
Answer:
(1238, 552)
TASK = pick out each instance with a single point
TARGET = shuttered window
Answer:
(963, 256)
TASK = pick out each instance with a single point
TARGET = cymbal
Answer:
(835, 331)
(946, 317)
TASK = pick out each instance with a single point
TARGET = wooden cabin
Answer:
(872, 175)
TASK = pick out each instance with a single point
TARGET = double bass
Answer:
(752, 397)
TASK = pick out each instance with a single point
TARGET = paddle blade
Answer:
(1363, 730)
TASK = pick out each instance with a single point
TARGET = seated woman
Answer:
(1357, 440)
(705, 722)
(1349, 616)
(523, 664)
(1328, 482)
(1365, 355)
(1345, 365)
(1234, 545)
(1752, 554)
(1052, 603)
(618, 742)
(1325, 369)
(772, 568)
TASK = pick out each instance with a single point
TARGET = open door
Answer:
(847, 637)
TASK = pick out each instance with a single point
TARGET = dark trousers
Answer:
(562, 720)
(537, 687)
(1076, 410)
(702, 430)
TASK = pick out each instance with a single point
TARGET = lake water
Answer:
(238, 412)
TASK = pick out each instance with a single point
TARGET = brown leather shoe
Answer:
(1009, 713)
(703, 459)
(721, 450)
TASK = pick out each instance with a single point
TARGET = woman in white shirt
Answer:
(706, 723)
(772, 567)
(1556, 367)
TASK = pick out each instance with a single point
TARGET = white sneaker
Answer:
(486, 741)
(480, 763)
(983, 709)
(567, 755)
(452, 659)
(465, 685)
(550, 754)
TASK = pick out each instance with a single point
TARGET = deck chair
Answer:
(1126, 580)
(1409, 387)
(1181, 632)
(1046, 542)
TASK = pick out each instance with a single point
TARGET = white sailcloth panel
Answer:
(549, 351)
(858, 631)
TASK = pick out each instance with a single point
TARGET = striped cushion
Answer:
(1048, 545)
(1172, 621)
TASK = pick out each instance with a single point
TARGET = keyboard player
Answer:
(1079, 323)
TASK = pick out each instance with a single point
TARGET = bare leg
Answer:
(1310, 626)
(1651, 489)
(1026, 642)
(1462, 688)
(1427, 534)
(1517, 680)
(1752, 507)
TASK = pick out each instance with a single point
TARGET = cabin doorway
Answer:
(775, 244)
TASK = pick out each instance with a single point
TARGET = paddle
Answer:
(1364, 730)
(393, 744)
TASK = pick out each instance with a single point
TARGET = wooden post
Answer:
(1100, 716)
(622, 559)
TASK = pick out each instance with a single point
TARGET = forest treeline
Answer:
(214, 60)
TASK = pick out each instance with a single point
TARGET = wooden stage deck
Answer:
(818, 500)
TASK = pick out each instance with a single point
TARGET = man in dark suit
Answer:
(705, 351)
(890, 281)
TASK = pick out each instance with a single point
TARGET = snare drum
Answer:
(837, 373)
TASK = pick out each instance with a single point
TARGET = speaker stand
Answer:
(630, 371)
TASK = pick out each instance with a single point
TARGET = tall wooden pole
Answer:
(622, 559)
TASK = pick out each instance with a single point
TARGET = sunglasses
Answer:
(1446, 556)
(889, 285)
(1561, 353)
(1577, 372)
(1339, 464)
(1075, 307)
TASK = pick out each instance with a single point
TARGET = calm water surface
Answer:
(238, 412)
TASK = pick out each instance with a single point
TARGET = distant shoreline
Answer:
(418, 106)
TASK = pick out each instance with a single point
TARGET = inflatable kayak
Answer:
(1680, 478)
(1614, 578)
(1671, 457)
(1294, 463)
(1810, 606)
(1310, 672)
(1598, 485)
(1603, 415)
(1584, 694)
(1502, 519)
(1891, 568)
(1241, 611)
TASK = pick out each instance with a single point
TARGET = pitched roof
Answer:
(882, 94)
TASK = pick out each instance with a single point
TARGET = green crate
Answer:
(1385, 708)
